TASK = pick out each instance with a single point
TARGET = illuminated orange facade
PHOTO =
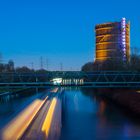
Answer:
(113, 41)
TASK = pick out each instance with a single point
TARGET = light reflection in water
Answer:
(18, 125)
(102, 107)
(95, 119)
(48, 120)
(52, 123)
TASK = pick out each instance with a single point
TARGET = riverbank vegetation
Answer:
(115, 64)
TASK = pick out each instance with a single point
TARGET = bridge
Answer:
(95, 79)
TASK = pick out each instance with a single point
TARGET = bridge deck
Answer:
(72, 78)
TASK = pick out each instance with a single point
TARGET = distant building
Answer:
(113, 41)
(11, 65)
(8, 67)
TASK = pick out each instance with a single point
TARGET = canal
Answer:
(85, 116)
(12, 105)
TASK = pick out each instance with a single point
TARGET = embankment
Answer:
(128, 99)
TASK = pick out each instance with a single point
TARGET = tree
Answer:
(87, 67)
(23, 69)
(134, 64)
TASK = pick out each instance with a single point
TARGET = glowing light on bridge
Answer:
(57, 81)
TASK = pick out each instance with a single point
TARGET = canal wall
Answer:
(21, 92)
(128, 99)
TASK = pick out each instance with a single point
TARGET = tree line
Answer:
(115, 64)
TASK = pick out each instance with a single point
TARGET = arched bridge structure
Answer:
(72, 78)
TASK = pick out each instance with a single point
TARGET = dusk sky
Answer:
(60, 30)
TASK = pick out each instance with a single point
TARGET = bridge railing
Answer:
(99, 76)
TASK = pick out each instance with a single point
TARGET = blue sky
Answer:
(61, 31)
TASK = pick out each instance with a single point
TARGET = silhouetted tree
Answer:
(116, 64)
(88, 67)
(23, 69)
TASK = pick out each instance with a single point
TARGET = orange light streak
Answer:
(15, 129)
(48, 120)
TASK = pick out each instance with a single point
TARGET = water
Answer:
(85, 116)
(88, 117)
(11, 106)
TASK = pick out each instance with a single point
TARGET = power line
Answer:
(41, 62)
(47, 64)
(32, 65)
(1, 59)
(61, 66)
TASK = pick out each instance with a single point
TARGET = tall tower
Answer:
(113, 41)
